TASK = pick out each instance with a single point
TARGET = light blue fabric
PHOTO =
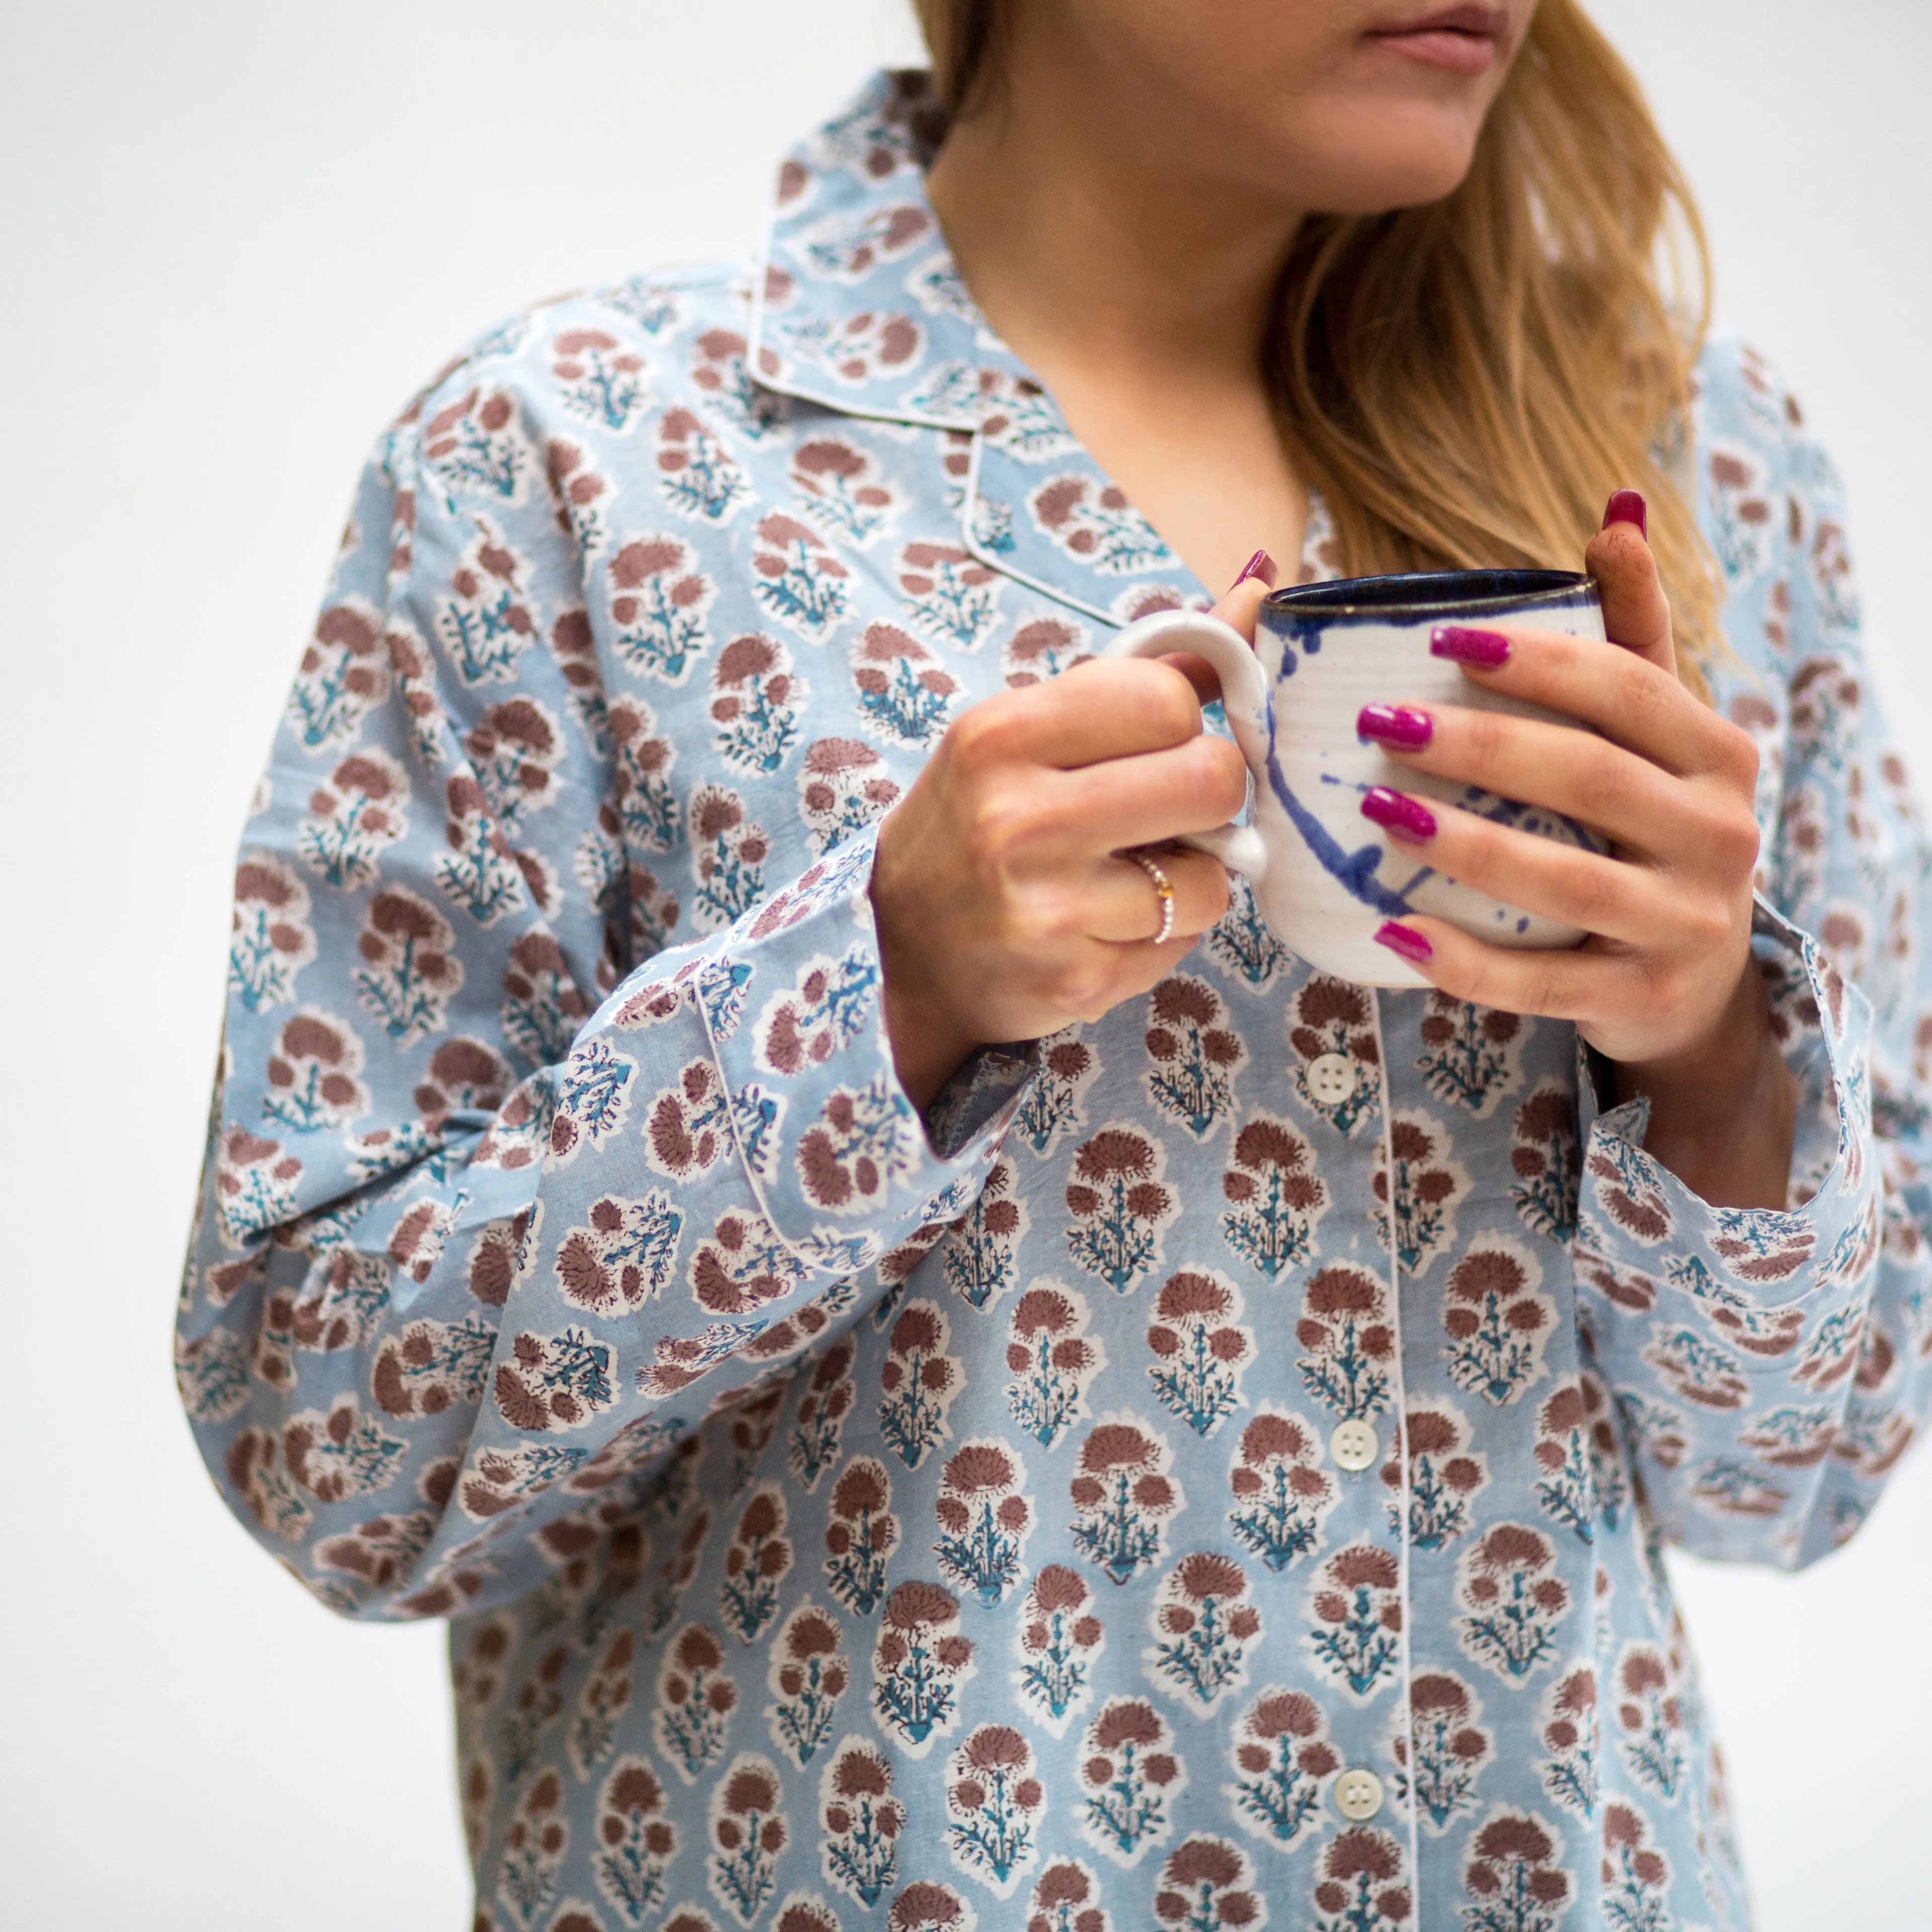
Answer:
(845, 1518)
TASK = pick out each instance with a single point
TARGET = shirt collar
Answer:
(858, 307)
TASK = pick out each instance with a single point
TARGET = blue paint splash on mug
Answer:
(1354, 871)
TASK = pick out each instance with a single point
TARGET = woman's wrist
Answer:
(925, 1055)
(1722, 1112)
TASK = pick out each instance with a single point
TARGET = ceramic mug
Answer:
(1324, 877)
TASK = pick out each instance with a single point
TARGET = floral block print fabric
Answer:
(847, 1518)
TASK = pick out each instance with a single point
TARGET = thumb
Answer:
(1636, 614)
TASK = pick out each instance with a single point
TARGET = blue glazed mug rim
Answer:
(1412, 596)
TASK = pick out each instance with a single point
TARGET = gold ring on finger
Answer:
(1164, 890)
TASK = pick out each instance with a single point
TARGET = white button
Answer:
(1358, 1795)
(1331, 1078)
(1353, 1445)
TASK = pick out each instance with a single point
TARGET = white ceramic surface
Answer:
(1325, 878)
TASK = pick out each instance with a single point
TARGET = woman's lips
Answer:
(1464, 40)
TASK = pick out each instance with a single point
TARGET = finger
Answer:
(1579, 984)
(1636, 803)
(1609, 897)
(1198, 672)
(1105, 708)
(1621, 693)
(1143, 800)
(1637, 614)
(1575, 773)
(1124, 903)
(1241, 607)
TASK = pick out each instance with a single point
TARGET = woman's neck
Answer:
(1137, 287)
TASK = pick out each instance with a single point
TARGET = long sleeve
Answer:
(1771, 1367)
(468, 1253)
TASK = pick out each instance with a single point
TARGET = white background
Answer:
(234, 237)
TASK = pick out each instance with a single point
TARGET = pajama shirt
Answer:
(1209, 1470)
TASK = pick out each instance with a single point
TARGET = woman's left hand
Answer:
(1664, 986)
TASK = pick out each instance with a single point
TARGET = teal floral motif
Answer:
(1199, 1348)
(1345, 1328)
(1052, 1103)
(809, 1675)
(694, 1702)
(1445, 1475)
(1123, 1496)
(1544, 1158)
(1514, 1600)
(993, 1800)
(1498, 1323)
(1203, 1624)
(1650, 1717)
(1417, 1186)
(697, 476)
(1131, 1775)
(1118, 1207)
(1059, 1642)
(862, 1821)
(861, 1532)
(919, 1381)
(1360, 1884)
(1205, 1888)
(658, 602)
(1516, 1873)
(1241, 942)
(1051, 1359)
(978, 1255)
(984, 1520)
(1275, 1196)
(1195, 1055)
(636, 1842)
(1355, 1602)
(755, 1564)
(1569, 1735)
(755, 710)
(1282, 1496)
(1282, 1758)
(1471, 1055)
(1446, 1751)
(748, 1834)
(918, 1665)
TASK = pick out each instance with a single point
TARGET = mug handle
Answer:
(1243, 697)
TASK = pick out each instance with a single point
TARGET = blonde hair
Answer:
(1468, 381)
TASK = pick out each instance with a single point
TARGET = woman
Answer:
(922, 1401)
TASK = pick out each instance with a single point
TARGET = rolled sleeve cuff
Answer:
(1767, 1282)
(842, 1163)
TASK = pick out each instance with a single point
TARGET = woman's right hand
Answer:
(1004, 911)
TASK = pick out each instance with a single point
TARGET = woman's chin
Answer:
(1384, 177)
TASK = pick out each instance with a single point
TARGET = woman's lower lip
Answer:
(1443, 47)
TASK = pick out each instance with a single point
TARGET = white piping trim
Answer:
(1404, 1555)
(969, 519)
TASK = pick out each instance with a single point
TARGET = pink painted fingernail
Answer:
(1260, 565)
(1402, 815)
(1395, 725)
(1627, 506)
(1458, 643)
(1405, 940)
